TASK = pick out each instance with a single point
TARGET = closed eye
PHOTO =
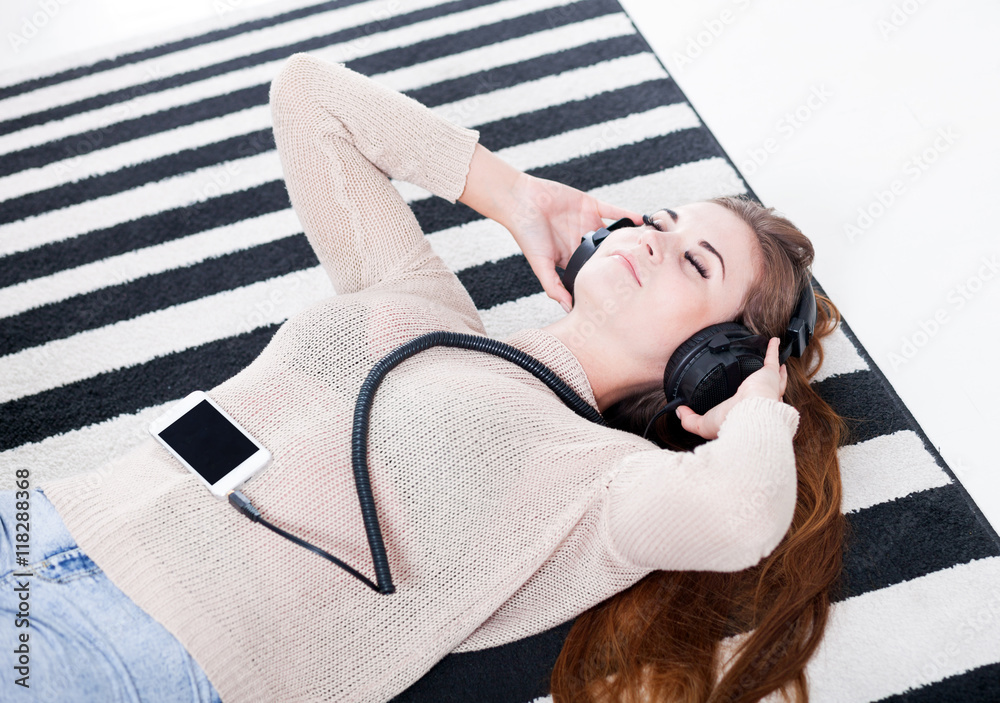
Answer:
(701, 269)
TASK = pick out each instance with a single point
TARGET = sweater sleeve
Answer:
(340, 137)
(722, 507)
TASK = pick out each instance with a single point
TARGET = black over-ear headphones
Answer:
(710, 366)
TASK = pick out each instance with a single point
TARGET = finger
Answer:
(772, 352)
(552, 284)
(613, 212)
(690, 420)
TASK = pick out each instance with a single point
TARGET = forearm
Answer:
(401, 137)
(340, 137)
(719, 508)
(490, 186)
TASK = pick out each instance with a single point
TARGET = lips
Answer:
(630, 264)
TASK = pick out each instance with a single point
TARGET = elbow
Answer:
(284, 84)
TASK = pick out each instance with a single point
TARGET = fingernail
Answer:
(565, 306)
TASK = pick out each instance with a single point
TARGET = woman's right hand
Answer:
(548, 221)
(766, 382)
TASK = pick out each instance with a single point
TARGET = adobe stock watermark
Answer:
(711, 30)
(913, 169)
(32, 25)
(958, 297)
(900, 15)
(786, 126)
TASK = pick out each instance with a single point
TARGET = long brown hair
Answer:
(659, 640)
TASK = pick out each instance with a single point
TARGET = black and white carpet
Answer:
(147, 249)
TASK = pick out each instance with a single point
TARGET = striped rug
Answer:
(147, 248)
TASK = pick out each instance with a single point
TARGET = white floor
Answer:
(871, 125)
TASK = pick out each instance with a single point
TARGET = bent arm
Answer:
(340, 137)
(723, 507)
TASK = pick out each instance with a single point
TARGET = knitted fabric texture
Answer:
(503, 512)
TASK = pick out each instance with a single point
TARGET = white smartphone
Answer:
(210, 443)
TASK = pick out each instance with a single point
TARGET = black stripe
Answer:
(558, 119)
(456, 89)
(488, 284)
(478, 37)
(500, 77)
(128, 390)
(493, 283)
(979, 685)
(143, 232)
(517, 672)
(169, 48)
(172, 224)
(247, 145)
(860, 398)
(159, 169)
(592, 171)
(109, 305)
(95, 102)
(119, 132)
(909, 537)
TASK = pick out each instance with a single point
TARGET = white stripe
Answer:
(146, 337)
(686, 183)
(601, 137)
(472, 244)
(227, 15)
(106, 118)
(216, 317)
(78, 451)
(235, 47)
(893, 640)
(533, 311)
(135, 151)
(454, 245)
(148, 261)
(244, 173)
(504, 53)
(179, 191)
(584, 141)
(577, 84)
(840, 356)
(885, 468)
(100, 161)
(903, 637)
(912, 634)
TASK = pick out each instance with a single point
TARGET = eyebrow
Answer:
(712, 249)
(705, 244)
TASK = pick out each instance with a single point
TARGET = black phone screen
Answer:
(208, 441)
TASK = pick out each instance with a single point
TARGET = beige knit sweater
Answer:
(503, 512)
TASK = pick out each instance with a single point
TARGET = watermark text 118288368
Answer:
(22, 582)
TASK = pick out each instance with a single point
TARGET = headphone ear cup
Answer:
(708, 368)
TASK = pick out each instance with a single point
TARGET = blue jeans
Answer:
(80, 638)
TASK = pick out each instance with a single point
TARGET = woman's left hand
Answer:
(548, 221)
(766, 382)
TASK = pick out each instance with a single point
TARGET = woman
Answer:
(503, 512)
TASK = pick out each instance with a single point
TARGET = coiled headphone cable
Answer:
(359, 437)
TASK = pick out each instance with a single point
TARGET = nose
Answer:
(654, 243)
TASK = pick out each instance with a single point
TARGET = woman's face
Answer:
(672, 299)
